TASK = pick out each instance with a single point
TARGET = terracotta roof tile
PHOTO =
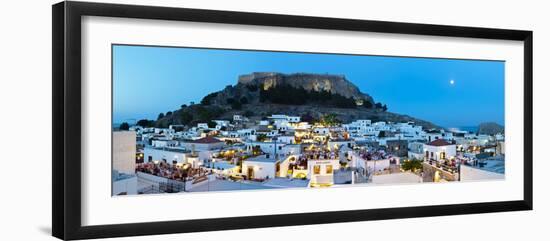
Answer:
(207, 140)
(439, 142)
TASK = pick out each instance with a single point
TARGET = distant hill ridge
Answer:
(490, 128)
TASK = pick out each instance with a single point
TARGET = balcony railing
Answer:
(443, 166)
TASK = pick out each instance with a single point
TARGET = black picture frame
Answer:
(66, 141)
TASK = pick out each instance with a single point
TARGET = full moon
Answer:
(452, 82)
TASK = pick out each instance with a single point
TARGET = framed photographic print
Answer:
(170, 120)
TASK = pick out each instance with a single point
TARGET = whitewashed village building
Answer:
(124, 160)
(320, 172)
(439, 150)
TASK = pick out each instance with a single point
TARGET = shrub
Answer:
(124, 126)
(207, 100)
(236, 105)
(286, 94)
(411, 165)
(145, 123)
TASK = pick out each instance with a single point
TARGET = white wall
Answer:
(268, 147)
(473, 174)
(292, 149)
(449, 150)
(26, 86)
(124, 151)
(261, 169)
(128, 185)
(159, 155)
(376, 165)
(323, 164)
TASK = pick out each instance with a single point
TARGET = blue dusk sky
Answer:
(447, 92)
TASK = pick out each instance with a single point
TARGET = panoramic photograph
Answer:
(188, 120)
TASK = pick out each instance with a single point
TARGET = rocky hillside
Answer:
(335, 84)
(250, 88)
(311, 96)
(490, 128)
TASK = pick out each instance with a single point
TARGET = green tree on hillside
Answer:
(185, 117)
(204, 114)
(289, 95)
(236, 105)
(330, 120)
(261, 137)
(145, 123)
(124, 126)
(367, 104)
(248, 113)
(211, 124)
(207, 100)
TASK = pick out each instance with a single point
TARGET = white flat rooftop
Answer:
(224, 165)
(286, 182)
(403, 177)
(226, 185)
(261, 158)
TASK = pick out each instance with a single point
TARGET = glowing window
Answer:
(329, 169)
(316, 169)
